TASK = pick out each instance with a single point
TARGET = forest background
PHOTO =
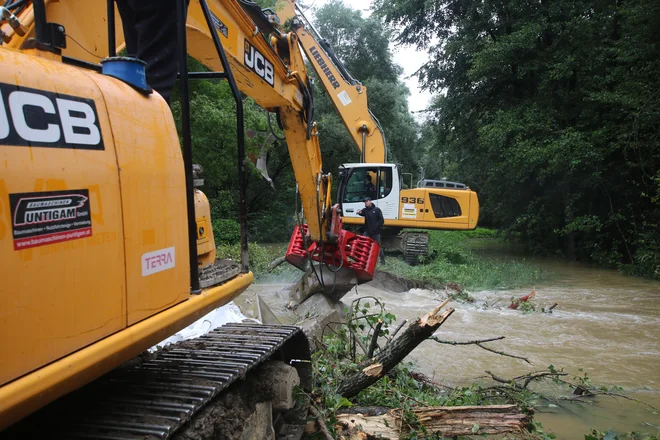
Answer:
(550, 110)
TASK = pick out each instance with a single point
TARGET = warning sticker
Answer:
(409, 211)
(42, 218)
(344, 98)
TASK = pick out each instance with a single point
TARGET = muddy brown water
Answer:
(606, 323)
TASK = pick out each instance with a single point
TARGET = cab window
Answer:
(361, 184)
(385, 182)
(444, 206)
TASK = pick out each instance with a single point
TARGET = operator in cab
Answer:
(369, 187)
(373, 221)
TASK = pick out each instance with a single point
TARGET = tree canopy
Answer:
(550, 110)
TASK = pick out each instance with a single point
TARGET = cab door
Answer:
(388, 193)
(374, 182)
(353, 190)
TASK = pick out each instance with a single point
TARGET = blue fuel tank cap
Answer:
(130, 70)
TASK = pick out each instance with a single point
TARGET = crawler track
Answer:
(156, 395)
(414, 245)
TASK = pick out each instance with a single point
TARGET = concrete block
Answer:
(320, 304)
(280, 378)
(323, 280)
(259, 424)
(319, 312)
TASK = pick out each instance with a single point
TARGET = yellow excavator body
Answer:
(417, 210)
(93, 230)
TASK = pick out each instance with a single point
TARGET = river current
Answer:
(605, 324)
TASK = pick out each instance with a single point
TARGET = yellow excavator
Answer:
(106, 243)
(432, 204)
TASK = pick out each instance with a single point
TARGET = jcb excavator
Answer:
(107, 247)
(433, 205)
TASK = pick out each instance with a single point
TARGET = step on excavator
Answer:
(106, 239)
(432, 205)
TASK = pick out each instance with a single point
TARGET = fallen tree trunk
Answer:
(445, 420)
(376, 367)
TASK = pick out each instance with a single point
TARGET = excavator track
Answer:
(414, 245)
(159, 393)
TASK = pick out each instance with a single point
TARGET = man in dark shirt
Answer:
(373, 221)
(369, 187)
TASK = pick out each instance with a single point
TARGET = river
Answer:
(606, 323)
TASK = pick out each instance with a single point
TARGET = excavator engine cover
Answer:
(351, 251)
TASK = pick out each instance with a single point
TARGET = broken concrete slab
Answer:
(257, 308)
(318, 312)
(318, 305)
(319, 279)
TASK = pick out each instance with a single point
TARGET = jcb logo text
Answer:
(37, 118)
(259, 64)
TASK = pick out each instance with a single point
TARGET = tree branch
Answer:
(321, 423)
(478, 344)
(374, 339)
(501, 353)
(480, 341)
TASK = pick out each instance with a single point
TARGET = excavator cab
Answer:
(434, 205)
(379, 182)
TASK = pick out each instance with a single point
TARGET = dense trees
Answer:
(550, 110)
(213, 125)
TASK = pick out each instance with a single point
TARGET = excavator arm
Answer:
(347, 94)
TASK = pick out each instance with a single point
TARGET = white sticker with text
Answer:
(157, 261)
(409, 211)
(343, 97)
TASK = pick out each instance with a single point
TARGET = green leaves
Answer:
(549, 110)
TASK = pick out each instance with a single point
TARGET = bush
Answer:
(226, 231)
(450, 261)
(259, 257)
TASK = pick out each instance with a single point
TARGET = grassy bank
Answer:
(260, 256)
(450, 260)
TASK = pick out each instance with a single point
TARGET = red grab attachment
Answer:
(296, 253)
(352, 251)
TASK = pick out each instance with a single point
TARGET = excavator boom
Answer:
(347, 94)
